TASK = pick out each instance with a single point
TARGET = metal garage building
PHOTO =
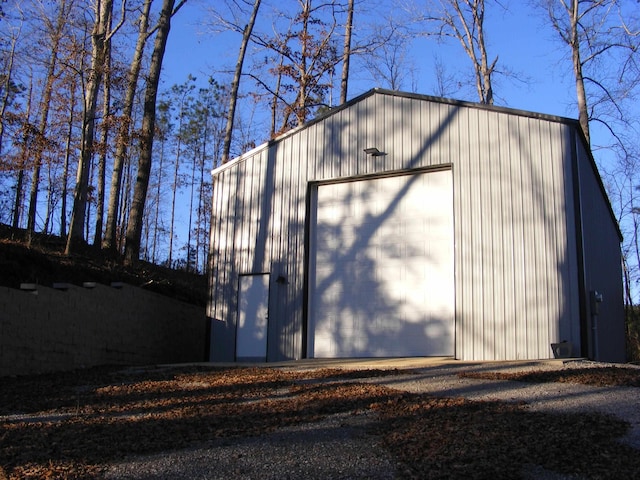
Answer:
(406, 225)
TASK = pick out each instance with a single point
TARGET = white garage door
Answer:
(381, 268)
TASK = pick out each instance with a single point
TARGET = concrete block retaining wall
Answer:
(62, 329)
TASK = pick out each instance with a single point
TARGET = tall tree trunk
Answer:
(301, 106)
(464, 20)
(125, 200)
(470, 33)
(17, 202)
(157, 209)
(276, 100)
(183, 91)
(56, 36)
(236, 82)
(6, 87)
(134, 226)
(123, 136)
(346, 54)
(201, 197)
(191, 195)
(67, 156)
(485, 70)
(583, 113)
(103, 13)
(174, 190)
(50, 202)
(573, 26)
(90, 191)
(24, 152)
(102, 156)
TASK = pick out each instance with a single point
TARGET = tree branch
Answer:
(123, 15)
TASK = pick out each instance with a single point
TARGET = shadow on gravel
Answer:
(74, 425)
(598, 377)
(458, 438)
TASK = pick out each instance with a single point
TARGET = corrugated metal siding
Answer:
(603, 266)
(515, 273)
(512, 236)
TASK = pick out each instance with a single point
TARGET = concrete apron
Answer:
(405, 363)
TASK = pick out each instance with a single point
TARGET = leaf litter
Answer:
(73, 425)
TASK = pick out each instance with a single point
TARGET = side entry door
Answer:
(253, 318)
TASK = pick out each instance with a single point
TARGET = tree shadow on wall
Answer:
(383, 279)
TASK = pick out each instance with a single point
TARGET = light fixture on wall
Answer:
(374, 152)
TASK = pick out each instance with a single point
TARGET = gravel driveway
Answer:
(339, 446)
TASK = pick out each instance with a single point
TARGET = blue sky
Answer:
(524, 44)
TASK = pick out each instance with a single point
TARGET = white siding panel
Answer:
(511, 242)
(531, 215)
(536, 321)
(511, 235)
(241, 237)
(519, 235)
(254, 196)
(552, 178)
(493, 260)
(214, 248)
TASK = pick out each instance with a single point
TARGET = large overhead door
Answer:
(381, 270)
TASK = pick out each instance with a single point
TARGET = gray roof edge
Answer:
(481, 106)
(396, 93)
(293, 131)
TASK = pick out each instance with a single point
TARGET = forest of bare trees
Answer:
(101, 146)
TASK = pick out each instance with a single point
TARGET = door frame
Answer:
(309, 261)
(258, 288)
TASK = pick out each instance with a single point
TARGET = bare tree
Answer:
(100, 36)
(275, 101)
(233, 97)
(566, 18)
(464, 21)
(7, 87)
(134, 226)
(103, 149)
(26, 133)
(124, 128)
(67, 157)
(182, 93)
(75, 56)
(595, 31)
(390, 64)
(9, 91)
(56, 31)
(294, 63)
(163, 130)
(346, 53)
(445, 82)
(306, 55)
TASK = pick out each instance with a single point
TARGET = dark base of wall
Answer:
(46, 329)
